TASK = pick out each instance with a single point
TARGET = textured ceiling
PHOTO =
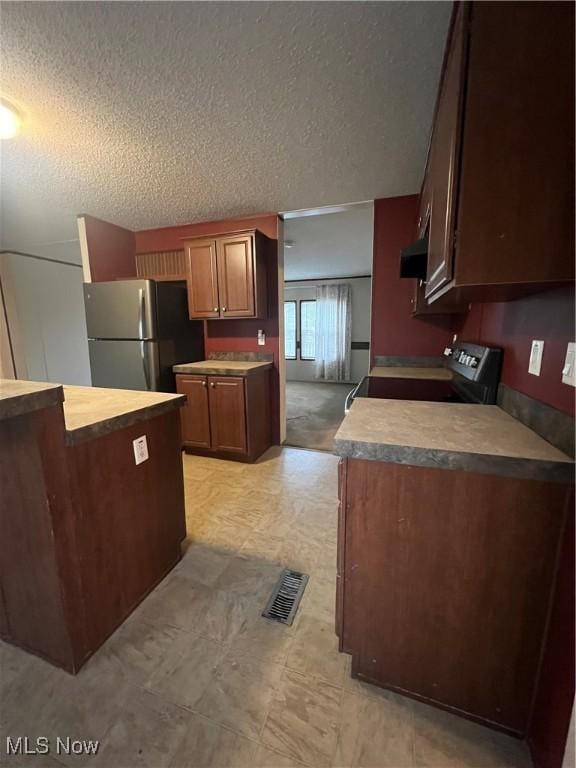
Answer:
(150, 114)
(334, 245)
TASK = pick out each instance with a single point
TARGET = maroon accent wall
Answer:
(512, 325)
(170, 238)
(232, 335)
(553, 706)
(111, 250)
(394, 330)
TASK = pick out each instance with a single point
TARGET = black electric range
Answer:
(475, 376)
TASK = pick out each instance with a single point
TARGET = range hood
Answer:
(414, 259)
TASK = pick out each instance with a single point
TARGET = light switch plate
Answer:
(140, 449)
(569, 369)
(535, 364)
(261, 338)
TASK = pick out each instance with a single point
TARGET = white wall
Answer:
(330, 245)
(303, 370)
(46, 320)
(327, 248)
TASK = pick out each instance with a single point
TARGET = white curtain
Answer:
(333, 331)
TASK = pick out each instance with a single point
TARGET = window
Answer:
(308, 329)
(290, 330)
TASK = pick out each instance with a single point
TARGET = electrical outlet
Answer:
(140, 449)
(569, 370)
(535, 364)
(261, 338)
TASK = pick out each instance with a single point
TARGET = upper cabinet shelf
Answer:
(226, 274)
(497, 199)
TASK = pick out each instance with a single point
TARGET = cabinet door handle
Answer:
(215, 309)
(223, 309)
(212, 384)
(203, 383)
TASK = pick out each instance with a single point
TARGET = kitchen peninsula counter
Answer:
(475, 438)
(93, 503)
(94, 411)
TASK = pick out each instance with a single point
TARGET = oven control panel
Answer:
(476, 363)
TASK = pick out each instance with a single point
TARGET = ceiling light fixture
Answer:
(10, 120)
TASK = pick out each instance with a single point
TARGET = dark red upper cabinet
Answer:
(443, 165)
(499, 186)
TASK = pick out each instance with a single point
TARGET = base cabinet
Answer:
(195, 414)
(96, 531)
(227, 416)
(445, 581)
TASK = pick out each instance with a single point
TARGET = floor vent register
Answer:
(286, 595)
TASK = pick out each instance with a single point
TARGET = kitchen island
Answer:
(450, 524)
(91, 511)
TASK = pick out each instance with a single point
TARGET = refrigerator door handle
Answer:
(145, 364)
(141, 313)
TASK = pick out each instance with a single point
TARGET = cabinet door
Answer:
(202, 279)
(445, 304)
(195, 414)
(443, 164)
(228, 413)
(516, 196)
(236, 276)
(424, 208)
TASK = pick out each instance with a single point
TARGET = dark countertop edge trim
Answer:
(503, 466)
(114, 423)
(208, 371)
(18, 405)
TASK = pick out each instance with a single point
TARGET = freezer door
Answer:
(124, 364)
(123, 309)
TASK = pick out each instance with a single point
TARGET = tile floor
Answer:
(196, 677)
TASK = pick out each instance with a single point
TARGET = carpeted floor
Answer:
(314, 411)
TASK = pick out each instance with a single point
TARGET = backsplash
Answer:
(251, 357)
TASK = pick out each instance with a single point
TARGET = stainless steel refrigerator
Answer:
(137, 330)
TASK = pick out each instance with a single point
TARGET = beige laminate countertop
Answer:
(94, 411)
(18, 397)
(407, 372)
(222, 367)
(481, 438)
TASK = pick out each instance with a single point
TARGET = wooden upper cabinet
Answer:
(227, 275)
(195, 416)
(516, 206)
(228, 413)
(500, 171)
(203, 301)
(236, 276)
(442, 176)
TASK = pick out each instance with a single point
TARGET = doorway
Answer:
(326, 313)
